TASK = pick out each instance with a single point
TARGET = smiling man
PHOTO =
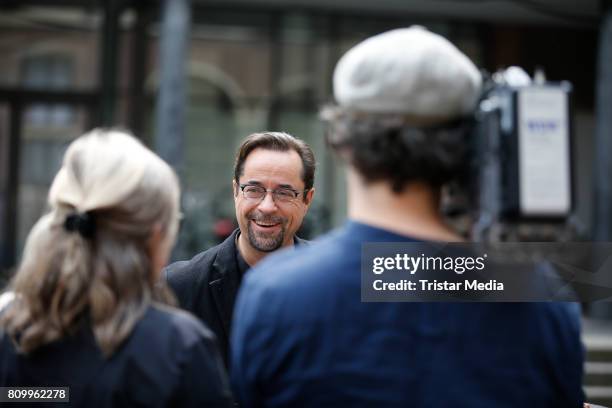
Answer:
(273, 189)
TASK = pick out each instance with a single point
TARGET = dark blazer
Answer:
(207, 286)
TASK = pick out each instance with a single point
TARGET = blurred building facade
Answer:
(67, 66)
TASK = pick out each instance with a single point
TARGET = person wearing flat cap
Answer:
(303, 337)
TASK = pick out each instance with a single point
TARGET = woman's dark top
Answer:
(169, 360)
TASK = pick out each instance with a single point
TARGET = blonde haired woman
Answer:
(86, 310)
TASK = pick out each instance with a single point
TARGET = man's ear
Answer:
(309, 196)
(235, 188)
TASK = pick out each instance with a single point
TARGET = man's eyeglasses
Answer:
(279, 195)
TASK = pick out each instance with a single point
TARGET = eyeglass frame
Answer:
(270, 190)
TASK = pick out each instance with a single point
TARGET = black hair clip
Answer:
(83, 223)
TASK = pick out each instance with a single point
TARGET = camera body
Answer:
(520, 183)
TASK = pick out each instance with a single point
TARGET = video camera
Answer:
(520, 181)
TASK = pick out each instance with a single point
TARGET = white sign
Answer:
(544, 155)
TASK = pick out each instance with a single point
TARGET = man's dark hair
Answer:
(388, 149)
(278, 141)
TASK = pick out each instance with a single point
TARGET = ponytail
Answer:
(87, 261)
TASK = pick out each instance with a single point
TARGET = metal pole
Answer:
(275, 31)
(8, 224)
(138, 73)
(169, 140)
(108, 62)
(602, 225)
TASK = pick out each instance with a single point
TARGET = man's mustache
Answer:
(267, 219)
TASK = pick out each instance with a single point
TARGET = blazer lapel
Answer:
(225, 281)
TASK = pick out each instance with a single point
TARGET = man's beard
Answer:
(266, 242)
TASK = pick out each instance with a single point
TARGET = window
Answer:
(48, 72)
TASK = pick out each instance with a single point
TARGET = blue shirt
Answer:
(302, 337)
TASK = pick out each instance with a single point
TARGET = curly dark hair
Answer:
(387, 147)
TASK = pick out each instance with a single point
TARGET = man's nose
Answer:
(267, 204)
